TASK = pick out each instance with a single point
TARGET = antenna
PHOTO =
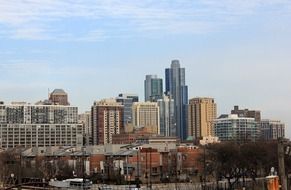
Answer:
(48, 92)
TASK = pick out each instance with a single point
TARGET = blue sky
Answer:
(235, 51)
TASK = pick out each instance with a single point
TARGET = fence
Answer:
(249, 184)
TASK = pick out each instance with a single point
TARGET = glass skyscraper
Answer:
(167, 125)
(176, 87)
(127, 100)
(153, 87)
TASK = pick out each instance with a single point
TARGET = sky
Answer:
(238, 52)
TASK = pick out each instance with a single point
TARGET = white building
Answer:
(235, 128)
(28, 125)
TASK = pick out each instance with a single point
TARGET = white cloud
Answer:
(183, 16)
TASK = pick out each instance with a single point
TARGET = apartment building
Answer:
(27, 125)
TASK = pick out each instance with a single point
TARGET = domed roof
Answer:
(59, 91)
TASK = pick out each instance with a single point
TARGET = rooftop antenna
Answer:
(48, 91)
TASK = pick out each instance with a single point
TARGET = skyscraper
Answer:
(176, 87)
(153, 88)
(146, 114)
(107, 116)
(127, 100)
(201, 114)
(167, 125)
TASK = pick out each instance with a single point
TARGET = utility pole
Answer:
(282, 164)
(83, 166)
(20, 170)
(137, 177)
(150, 168)
(146, 172)
(204, 168)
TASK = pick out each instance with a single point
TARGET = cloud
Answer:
(37, 20)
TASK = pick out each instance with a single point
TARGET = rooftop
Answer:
(58, 91)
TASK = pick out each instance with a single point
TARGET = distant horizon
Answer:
(237, 52)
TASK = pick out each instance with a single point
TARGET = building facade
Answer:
(146, 114)
(167, 117)
(272, 129)
(153, 88)
(107, 119)
(127, 100)
(176, 87)
(28, 125)
(59, 97)
(201, 114)
(85, 120)
(235, 128)
(256, 114)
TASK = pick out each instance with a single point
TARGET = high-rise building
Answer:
(22, 124)
(59, 97)
(153, 87)
(272, 129)
(201, 114)
(176, 87)
(247, 113)
(167, 119)
(127, 100)
(235, 128)
(107, 119)
(146, 114)
(85, 120)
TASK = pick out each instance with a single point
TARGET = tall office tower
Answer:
(235, 128)
(201, 114)
(127, 100)
(146, 114)
(85, 120)
(247, 113)
(27, 125)
(167, 124)
(59, 97)
(153, 88)
(272, 129)
(176, 87)
(107, 119)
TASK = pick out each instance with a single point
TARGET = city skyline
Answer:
(236, 52)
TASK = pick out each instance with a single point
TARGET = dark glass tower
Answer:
(176, 87)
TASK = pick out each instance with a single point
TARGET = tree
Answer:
(233, 161)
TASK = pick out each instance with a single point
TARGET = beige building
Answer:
(201, 113)
(146, 114)
(85, 120)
